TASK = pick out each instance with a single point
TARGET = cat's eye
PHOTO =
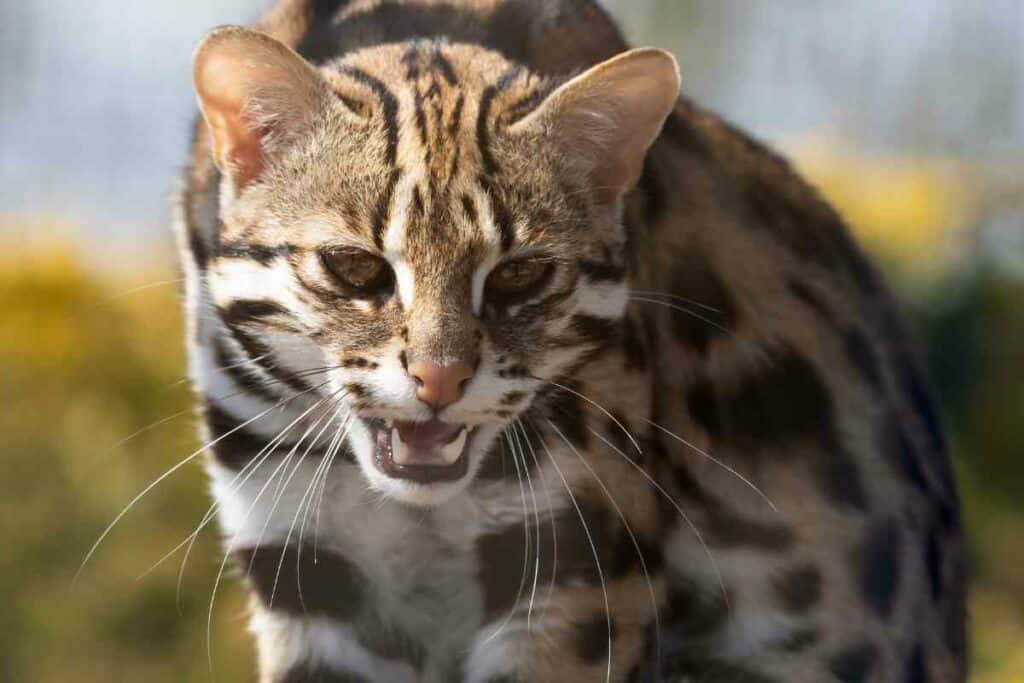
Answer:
(362, 271)
(519, 278)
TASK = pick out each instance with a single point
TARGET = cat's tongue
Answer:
(426, 435)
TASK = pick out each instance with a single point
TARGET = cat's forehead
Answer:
(436, 176)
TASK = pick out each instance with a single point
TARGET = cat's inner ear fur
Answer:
(605, 119)
(256, 96)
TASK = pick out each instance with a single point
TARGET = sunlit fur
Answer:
(701, 447)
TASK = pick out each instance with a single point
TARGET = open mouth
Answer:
(424, 452)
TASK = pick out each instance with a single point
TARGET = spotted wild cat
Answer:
(515, 366)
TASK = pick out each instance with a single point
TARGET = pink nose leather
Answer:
(440, 385)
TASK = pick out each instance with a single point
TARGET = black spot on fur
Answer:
(920, 397)
(654, 195)
(799, 640)
(686, 137)
(799, 588)
(568, 415)
(307, 674)
(804, 293)
(512, 397)
(592, 639)
(917, 669)
(633, 344)
(933, 557)
(878, 559)
(693, 609)
(602, 271)
(591, 329)
(863, 357)
(331, 586)
(777, 404)
(712, 670)
(705, 309)
(724, 530)
(854, 664)
(898, 449)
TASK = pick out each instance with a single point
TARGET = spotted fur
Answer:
(704, 450)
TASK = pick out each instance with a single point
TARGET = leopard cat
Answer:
(516, 366)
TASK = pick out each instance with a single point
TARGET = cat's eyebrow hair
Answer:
(261, 253)
(388, 104)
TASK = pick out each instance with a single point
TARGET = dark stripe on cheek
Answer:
(260, 253)
(389, 109)
(241, 372)
(235, 445)
(245, 311)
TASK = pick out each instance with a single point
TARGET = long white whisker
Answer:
(164, 476)
(536, 518)
(599, 407)
(590, 539)
(674, 504)
(551, 517)
(717, 462)
(527, 545)
(632, 537)
(683, 310)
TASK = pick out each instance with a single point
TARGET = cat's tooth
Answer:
(399, 449)
(450, 453)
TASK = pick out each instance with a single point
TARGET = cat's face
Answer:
(428, 230)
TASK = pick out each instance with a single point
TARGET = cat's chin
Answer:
(423, 464)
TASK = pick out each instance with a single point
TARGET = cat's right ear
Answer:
(256, 96)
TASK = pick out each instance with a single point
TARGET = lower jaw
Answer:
(420, 474)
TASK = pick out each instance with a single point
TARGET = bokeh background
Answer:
(909, 115)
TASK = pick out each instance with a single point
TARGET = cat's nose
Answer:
(440, 385)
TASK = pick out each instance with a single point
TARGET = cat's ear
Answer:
(606, 118)
(256, 96)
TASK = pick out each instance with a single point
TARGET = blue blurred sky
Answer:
(95, 100)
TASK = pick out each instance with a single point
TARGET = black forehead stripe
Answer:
(389, 108)
(482, 131)
(382, 211)
(261, 253)
(441, 63)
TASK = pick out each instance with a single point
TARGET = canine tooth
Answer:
(399, 449)
(451, 452)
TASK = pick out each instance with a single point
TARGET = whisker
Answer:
(684, 310)
(551, 516)
(590, 539)
(164, 476)
(632, 537)
(231, 544)
(526, 543)
(674, 504)
(675, 297)
(715, 460)
(536, 518)
(596, 405)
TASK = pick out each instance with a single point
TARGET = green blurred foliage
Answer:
(97, 408)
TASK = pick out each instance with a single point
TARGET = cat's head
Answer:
(432, 229)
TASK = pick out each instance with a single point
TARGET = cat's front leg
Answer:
(571, 634)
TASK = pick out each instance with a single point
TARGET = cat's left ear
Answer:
(606, 118)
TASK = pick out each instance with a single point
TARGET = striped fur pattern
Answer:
(701, 449)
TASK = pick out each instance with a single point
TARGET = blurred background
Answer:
(909, 116)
